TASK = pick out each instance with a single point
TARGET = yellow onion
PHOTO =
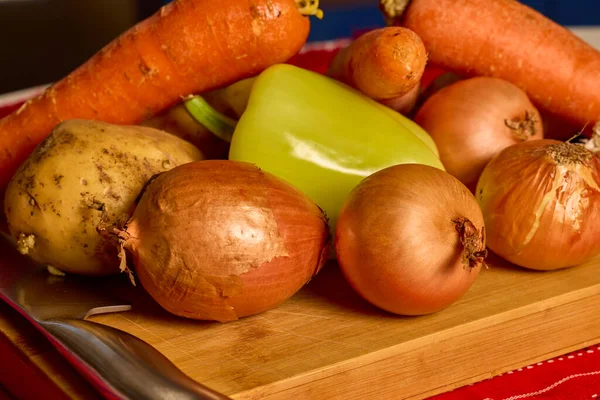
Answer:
(220, 239)
(541, 204)
(472, 120)
(410, 239)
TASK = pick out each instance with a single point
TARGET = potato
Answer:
(177, 121)
(230, 100)
(83, 175)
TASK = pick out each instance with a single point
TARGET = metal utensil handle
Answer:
(121, 365)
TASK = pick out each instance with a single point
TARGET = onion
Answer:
(410, 239)
(404, 104)
(219, 240)
(472, 120)
(541, 203)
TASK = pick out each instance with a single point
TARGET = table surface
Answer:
(326, 342)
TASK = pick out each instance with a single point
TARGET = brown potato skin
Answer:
(86, 173)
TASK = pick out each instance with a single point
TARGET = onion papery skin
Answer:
(542, 213)
(220, 240)
(397, 242)
(474, 119)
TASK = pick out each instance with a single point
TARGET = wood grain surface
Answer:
(326, 342)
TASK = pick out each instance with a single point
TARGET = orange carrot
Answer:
(385, 63)
(508, 40)
(188, 46)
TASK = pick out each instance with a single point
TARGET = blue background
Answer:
(343, 21)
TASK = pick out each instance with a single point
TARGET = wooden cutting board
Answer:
(327, 343)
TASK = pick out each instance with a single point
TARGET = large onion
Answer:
(541, 203)
(472, 120)
(410, 239)
(219, 240)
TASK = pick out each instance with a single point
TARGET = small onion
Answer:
(541, 203)
(410, 239)
(220, 239)
(472, 120)
(404, 104)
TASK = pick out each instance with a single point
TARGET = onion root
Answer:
(524, 128)
(474, 249)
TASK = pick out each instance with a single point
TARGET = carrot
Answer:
(385, 63)
(508, 40)
(188, 46)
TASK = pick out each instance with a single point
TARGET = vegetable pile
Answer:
(191, 155)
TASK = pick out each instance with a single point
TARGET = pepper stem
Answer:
(309, 7)
(473, 243)
(393, 10)
(218, 124)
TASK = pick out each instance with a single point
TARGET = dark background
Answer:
(42, 40)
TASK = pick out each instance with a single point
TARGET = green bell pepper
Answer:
(322, 136)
